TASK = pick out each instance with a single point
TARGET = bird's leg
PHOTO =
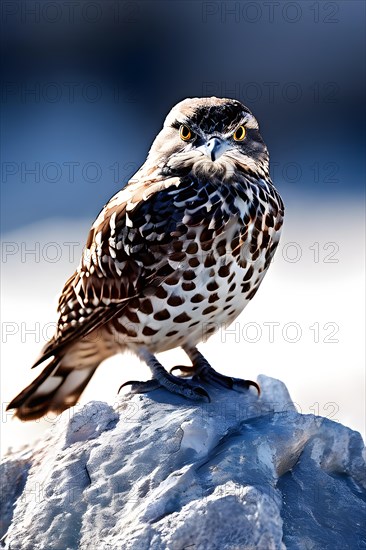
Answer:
(201, 371)
(161, 378)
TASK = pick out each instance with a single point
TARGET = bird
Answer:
(173, 256)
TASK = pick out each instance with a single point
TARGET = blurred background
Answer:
(85, 89)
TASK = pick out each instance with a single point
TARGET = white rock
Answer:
(238, 473)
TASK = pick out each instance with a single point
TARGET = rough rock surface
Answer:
(160, 472)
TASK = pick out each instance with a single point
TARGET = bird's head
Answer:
(210, 137)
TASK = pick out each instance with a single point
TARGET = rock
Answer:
(160, 472)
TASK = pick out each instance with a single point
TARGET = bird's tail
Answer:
(57, 388)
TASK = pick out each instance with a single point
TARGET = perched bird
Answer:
(172, 257)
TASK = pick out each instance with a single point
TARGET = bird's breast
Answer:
(214, 271)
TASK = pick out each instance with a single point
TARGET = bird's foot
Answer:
(172, 383)
(203, 372)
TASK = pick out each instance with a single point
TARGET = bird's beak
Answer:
(213, 148)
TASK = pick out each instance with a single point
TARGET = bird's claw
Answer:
(255, 385)
(141, 387)
(188, 371)
(242, 385)
(172, 384)
(205, 373)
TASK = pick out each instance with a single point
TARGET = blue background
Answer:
(86, 88)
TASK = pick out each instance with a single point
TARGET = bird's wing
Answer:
(114, 267)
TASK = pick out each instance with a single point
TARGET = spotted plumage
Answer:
(172, 257)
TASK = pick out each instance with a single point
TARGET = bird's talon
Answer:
(171, 383)
(255, 385)
(141, 387)
(189, 371)
(202, 393)
(129, 383)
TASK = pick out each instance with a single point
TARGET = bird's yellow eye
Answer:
(185, 133)
(239, 134)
